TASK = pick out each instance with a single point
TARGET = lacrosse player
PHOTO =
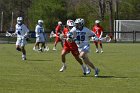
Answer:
(22, 34)
(70, 47)
(40, 38)
(98, 30)
(58, 32)
(81, 36)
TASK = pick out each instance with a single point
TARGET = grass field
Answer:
(119, 71)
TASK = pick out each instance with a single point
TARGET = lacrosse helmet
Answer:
(19, 20)
(59, 23)
(40, 22)
(70, 23)
(79, 22)
(97, 21)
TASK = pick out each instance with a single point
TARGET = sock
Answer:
(64, 64)
(23, 56)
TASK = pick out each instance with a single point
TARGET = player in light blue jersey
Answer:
(82, 36)
(40, 36)
(22, 34)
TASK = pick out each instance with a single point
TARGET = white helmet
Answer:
(79, 21)
(19, 20)
(40, 22)
(97, 21)
(59, 23)
(70, 23)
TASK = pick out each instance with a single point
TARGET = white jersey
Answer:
(21, 30)
(39, 31)
(82, 37)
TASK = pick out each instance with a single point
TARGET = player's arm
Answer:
(26, 35)
(101, 29)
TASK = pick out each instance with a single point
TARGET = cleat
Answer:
(40, 50)
(62, 68)
(34, 49)
(24, 58)
(97, 51)
(96, 72)
(88, 71)
(46, 49)
(84, 70)
(102, 51)
(84, 73)
(54, 49)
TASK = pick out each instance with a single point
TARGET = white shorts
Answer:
(40, 39)
(84, 48)
(21, 42)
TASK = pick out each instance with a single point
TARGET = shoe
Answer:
(102, 51)
(84, 70)
(96, 72)
(46, 49)
(97, 51)
(24, 58)
(41, 50)
(34, 49)
(54, 49)
(88, 71)
(62, 68)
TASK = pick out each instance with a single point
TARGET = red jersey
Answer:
(70, 46)
(97, 29)
(58, 30)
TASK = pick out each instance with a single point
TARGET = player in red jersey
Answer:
(58, 31)
(98, 30)
(70, 47)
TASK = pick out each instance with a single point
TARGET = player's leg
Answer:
(23, 52)
(36, 46)
(55, 43)
(61, 43)
(18, 43)
(85, 58)
(96, 45)
(101, 46)
(75, 53)
(63, 59)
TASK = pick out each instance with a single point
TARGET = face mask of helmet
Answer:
(40, 22)
(79, 23)
(70, 24)
(19, 20)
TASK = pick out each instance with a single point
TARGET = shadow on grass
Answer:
(38, 60)
(114, 77)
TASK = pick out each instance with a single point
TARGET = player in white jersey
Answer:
(22, 34)
(82, 36)
(40, 36)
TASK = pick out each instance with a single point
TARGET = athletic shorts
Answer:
(40, 39)
(21, 42)
(84, 48)
(57, 39)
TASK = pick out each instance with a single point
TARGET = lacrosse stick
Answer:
(104, 39)
(52, 34)
(9, 34)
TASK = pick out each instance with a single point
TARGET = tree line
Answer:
(52, 11)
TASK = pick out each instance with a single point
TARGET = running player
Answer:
(98, 30)
(70, 47)
(82, 36)
(58, 31)
(22, 34)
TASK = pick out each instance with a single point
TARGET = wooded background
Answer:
(51, 11)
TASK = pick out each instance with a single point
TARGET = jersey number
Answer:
(80, 37)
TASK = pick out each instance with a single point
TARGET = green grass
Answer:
(119, 71)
